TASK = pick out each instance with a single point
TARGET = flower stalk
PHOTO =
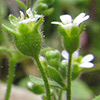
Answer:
(69, 78)
(47, 87)
(12, 65)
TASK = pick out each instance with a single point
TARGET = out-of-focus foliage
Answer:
(97, 98)
(82, 93)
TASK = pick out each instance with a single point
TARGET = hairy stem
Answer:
(12, 64)
(47, 87)
(69, 78)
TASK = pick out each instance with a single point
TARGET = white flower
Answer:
(42, 58)
(67, 20)
(30, 15)
(85, 62)
(30, 84)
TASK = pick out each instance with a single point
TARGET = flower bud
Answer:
(53, 57)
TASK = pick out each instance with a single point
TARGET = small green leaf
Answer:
(55, 75)
(97, 98)
(39, 81)
(24, 7)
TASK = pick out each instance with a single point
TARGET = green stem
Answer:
(60, 95)
(35, 5)
(28, 3)
(47, 87)
(12, 65)
(69, 77)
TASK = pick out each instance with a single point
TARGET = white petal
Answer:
(30, 84)
(79, 18)
(68, 25)
(59, 23)
(21, 15)
(41, 58)
(65, 54)
(84, 19)
(65, 61)
(66, 19)
(88, 58)
(87, 65)
(76, 54)
(29, 13)
(37, 17)
(26, 21)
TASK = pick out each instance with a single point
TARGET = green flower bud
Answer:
(53, 57)
(37, 89)
(28, 38)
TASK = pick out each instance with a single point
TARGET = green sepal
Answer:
(81, 28)
(55, 75)
(10, 30)
(38, 23)
(74, 31)
(39, 81)
(23, 28)
(29, 44)
(62, 31)
(13, 20)
(71, 44)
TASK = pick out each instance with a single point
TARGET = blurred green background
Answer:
(90, 42)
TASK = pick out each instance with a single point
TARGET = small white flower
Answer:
(42, 58)
(30, 15)
(30, 84)
(85, 62)
(67, 21)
